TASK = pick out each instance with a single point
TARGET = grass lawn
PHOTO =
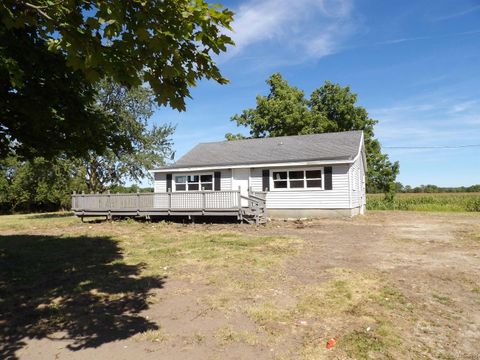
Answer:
(390, 287)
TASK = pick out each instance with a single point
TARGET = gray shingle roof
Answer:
(327, 146)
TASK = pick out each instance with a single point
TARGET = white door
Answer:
(240, 178)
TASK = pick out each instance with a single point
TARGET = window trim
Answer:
(304, 169)
(199, 174)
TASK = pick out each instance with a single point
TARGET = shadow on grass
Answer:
(51, 215)
(73, 288)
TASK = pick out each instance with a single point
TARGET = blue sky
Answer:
(415, 66)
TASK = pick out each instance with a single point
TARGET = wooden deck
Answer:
(191, 203)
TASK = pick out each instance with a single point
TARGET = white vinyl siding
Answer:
(341, 196)
(160, 183)
(256, 179)
(337, 198)
(356, 175)
(226, 179)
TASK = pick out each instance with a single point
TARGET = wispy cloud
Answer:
(310, 28)
(463, 106)
(458, 14)
(442, 121)
(420, 38)
(402, 40)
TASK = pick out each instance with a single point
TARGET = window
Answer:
(297, 179)
(194, 182)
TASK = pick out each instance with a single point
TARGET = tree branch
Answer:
(39, 9)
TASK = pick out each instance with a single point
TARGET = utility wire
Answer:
(432, 147)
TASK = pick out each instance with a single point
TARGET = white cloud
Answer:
(309, 28)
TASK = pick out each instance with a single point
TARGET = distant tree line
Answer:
(400, 188)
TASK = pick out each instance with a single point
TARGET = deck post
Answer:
(204, 201)
(169, 192)
(83, 201)
(138, 201)
(240, 203)
(109, 201)
(74, 200)
(109, 206)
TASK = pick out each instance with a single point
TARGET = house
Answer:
(283, 177)
(292, 176)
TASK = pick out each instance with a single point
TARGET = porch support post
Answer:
(83, 201)
(240, 203)
(74, 198)
(169, 192)
(109, 206)
(138, 202)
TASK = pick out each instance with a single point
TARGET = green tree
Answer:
(285, 111)
(36, 185)
(51, 110)
(52, 52)
(149, 145)
(39, 184)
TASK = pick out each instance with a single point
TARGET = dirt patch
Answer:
(386, 285)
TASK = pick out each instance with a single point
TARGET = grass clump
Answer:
(151, 336)
(226, 335)
(340, 295)
(381, 342)
(442, 299)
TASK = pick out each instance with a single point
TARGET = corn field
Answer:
(456, 202)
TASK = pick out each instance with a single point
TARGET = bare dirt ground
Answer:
(389, 285)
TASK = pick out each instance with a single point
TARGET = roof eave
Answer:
(252, 165)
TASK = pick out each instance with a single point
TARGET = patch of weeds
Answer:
(196, 338)
(268, 312)
(475, 237)
(390, 297)
(380, 342)
(340, 295)
(151, 336)
(226, 335)
(446, 356)
(271, 317)
(219, 302)
(442, 299)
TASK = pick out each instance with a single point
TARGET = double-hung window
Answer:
(195, 182)
(297, 179)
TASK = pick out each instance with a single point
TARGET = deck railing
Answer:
(192, 200)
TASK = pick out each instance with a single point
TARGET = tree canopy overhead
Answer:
(167, 43)
(53, 53)
(286, 111)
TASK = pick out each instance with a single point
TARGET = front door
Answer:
(240, 178)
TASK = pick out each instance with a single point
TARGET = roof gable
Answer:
(316, 147)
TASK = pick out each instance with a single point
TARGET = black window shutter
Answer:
(328, 177)
(169, 182)
(266, 180)
(216, 179)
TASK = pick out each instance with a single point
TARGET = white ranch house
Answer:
(282, 177)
